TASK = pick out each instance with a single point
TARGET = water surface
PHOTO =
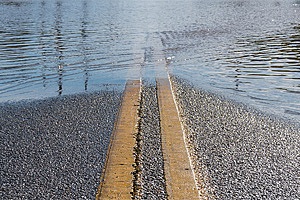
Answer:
(248, 50)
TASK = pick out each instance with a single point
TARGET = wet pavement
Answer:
(151, 178)
(55, 148)
(248, 50)
(236, 151)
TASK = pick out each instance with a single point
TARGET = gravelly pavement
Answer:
(55, 148)
(237, 152)
(151, 176)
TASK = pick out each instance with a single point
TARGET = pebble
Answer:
(237, 152)
(151, 176)
(55, 148)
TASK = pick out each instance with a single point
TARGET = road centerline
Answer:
(179, 177)
(116, 180)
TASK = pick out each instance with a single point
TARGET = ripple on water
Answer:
(275, 59)
(50, 48)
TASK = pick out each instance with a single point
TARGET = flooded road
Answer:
(246, 50)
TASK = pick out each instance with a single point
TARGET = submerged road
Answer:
(57, 148)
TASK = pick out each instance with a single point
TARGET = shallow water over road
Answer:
(248, 50)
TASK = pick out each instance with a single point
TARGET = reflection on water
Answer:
(269, 63)
(51, 47)
(263, 68)
(248, 50)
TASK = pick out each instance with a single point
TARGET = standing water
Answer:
(246, 50)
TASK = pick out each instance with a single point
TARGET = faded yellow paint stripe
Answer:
(179, 176)
(116, 181)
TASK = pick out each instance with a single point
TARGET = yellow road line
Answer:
(116, 181)
(179, 176)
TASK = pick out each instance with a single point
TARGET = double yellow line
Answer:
(117, 179)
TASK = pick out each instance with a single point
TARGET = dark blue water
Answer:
(247, 50)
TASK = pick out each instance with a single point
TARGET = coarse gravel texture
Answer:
(55, 148)
(151, 181)
(238, 152)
